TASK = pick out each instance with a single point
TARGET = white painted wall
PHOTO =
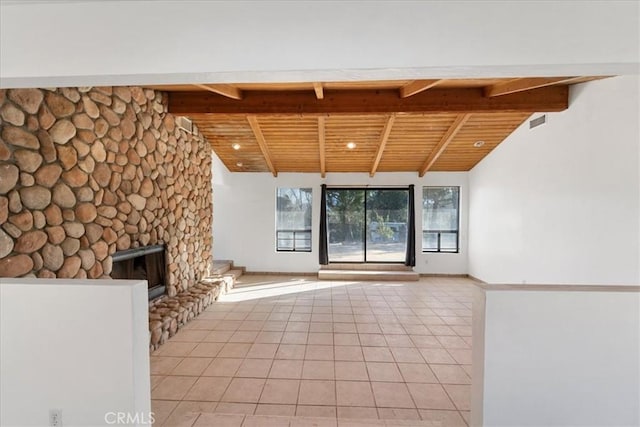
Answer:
(561, 203)
(556, 358)
(80, 346)
(244, 207)
(76, 43)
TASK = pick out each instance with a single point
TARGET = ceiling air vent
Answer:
(184, 124)
(538, 121)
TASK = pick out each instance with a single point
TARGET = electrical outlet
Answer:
(55, 417)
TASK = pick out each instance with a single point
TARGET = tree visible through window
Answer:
(293, 219)
(440, 219)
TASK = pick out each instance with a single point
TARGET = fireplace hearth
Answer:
(144, 263)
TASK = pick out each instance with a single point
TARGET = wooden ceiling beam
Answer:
(417, 86)
(321, 143)
(448, 136)
(305, 103)
(317, 88)
(384, 137)
(222, 89)
(262, 143)
(524, 84)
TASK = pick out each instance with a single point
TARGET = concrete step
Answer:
(366, 266)
(219, 267)
(235, 272)
(396, 276)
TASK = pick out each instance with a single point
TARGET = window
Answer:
(293, 219)
(440, 219)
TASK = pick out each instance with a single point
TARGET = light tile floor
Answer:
(297, 351)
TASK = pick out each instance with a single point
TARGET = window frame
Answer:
(365, 190)
(438, 249)
(278, 230)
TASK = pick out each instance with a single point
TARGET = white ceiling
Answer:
(144, 42)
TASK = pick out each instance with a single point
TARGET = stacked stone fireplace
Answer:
(87, 172)
(144, 263)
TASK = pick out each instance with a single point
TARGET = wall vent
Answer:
(184, 124)
(538, 121)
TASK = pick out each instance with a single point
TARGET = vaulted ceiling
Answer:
(374, 126)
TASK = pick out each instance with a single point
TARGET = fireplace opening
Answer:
(145, 263)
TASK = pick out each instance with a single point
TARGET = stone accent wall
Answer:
(88, 171)
(168, 314)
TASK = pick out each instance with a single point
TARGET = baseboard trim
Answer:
(443, 275)
(279, 273)
(310, 274)
(476, 279)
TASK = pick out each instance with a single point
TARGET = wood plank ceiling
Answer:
(394, 126)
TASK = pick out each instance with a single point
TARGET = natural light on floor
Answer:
(278, 287)
(327, 352)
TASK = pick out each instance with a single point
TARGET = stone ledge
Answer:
(168, 314)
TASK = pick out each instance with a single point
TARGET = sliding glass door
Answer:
(386, 236)
(367, 225)
(345, 221)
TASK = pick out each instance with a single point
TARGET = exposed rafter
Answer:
(317, 87)
(262, 143)
(524, 84)
(322, 116)
(454, 100)
(222, 89)
(321, 141)
(444, 142)
(384, 137)
(417, 86)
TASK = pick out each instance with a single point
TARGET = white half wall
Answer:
(82, 43)
(561, 203)
(244, 218)
(77, 346)
(556, 356)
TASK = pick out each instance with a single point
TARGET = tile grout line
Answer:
(379, 318)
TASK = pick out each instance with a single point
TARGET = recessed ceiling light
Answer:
(239, 164)
(351, 145)
(235, 146)
(478, 144)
